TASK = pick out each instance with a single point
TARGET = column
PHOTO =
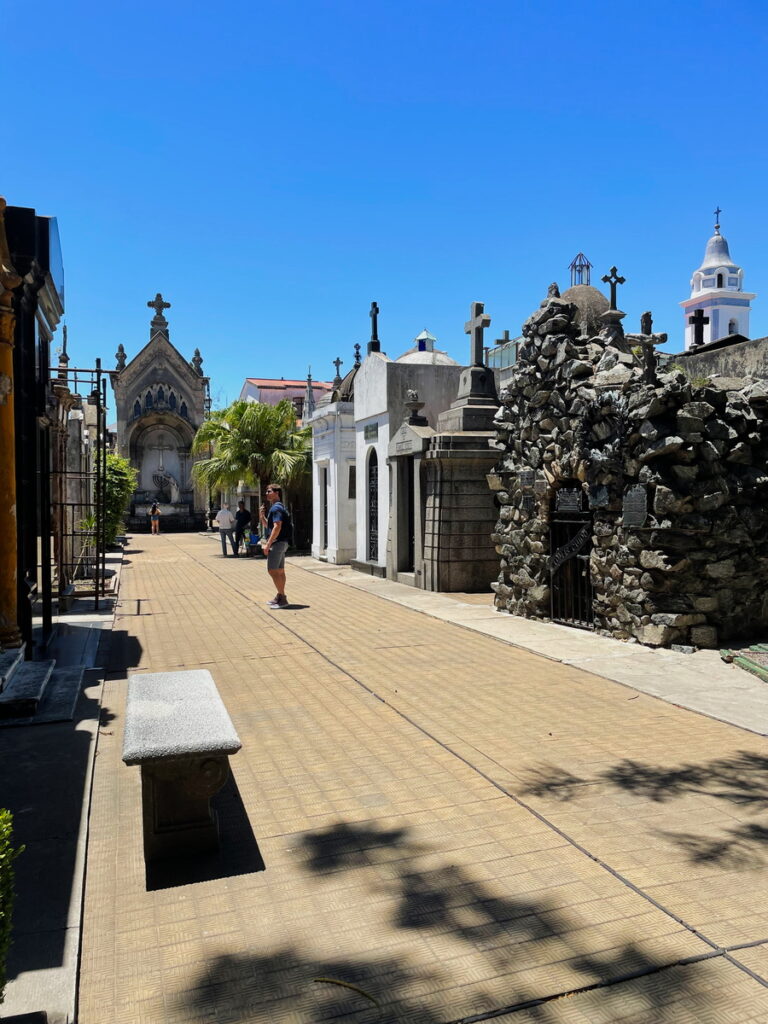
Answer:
(10, 635)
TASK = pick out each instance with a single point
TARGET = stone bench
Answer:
(178, 730)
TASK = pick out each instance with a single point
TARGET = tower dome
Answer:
(720, 306)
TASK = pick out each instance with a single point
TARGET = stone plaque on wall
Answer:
(371, 431)
(526, 477)
(527, 503)
(540, 487)
(635, 506)
(568, 499)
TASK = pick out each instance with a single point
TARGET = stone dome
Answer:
(433, 358)
(591, 303)
(717, 253)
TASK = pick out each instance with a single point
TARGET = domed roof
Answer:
(433, 358)
(717, 254)
(591, 304)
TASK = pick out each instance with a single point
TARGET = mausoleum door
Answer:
(410, 465)
(373, 507)
(324, 506)
(570, 547)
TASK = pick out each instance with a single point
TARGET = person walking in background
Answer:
(278, 529)
(226, 523)
(242, 519)
(154, 517)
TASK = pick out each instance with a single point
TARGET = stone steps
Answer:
(9, 662)
(24, 688)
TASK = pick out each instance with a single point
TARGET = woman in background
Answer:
(154, 517)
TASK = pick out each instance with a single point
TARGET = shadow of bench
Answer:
(180, 734)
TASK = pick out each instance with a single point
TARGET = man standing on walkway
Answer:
(226, 523)
(242, 519)
(277, 524)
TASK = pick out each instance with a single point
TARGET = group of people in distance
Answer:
(277, 529)
(277, 534)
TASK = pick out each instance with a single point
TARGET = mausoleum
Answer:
(632, 501)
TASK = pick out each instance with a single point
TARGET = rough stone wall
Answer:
(594, 410)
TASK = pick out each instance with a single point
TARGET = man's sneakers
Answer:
(280, 601)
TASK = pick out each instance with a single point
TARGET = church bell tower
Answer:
(717, 307)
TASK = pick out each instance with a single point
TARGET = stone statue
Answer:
(553, 292)
(120, 357)
(196, 362)
(413, 396)
(646, 323)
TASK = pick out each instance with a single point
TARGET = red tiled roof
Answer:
(270, 382)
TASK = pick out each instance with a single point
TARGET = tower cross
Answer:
(475, 327)
(158, 304)
(357, 355)
(338, 363)
(613, 279)
(718, 211)
(374, 315)
(697, 321)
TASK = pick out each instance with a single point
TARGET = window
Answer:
(160, 396)
(136, 408)
(183, 410)
(172, 400)
(733, 326)
(352, 491)
(148, 400)
(719, 280)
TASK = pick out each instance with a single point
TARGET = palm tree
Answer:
(253, 443)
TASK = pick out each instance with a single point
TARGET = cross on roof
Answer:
(503, 339)
(373, 344)
(337, 363)
(159, 305)
(613, 279)
(718, 211)
(357, 355)
(475, 327)
(697, 321)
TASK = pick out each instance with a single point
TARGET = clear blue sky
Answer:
(271, 167)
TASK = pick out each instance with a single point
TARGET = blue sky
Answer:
(272, 168)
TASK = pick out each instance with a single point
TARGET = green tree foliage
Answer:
(7, 857)
(252, 442)
(120, 484)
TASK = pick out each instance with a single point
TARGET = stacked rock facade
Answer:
(670, 473)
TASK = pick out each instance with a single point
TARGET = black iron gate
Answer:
(373, 507)
(570, 546)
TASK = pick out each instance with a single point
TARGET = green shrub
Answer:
(120, 485)
(7, 857)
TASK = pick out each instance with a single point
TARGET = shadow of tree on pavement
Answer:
(740, 780)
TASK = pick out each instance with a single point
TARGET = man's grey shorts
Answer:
(276, 555)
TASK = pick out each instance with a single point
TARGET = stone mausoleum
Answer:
(161, 402)
(632, 501)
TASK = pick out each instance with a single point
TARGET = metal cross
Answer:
(161, 448)
(374, 315)
(475, 327)
(613, 279)
(357, 355)
(718, 211)
(337, 363)
(697, 321)
(158, 305)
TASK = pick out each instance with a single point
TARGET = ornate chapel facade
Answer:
(161, 402)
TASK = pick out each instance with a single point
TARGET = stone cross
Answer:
(357, 355)
(159, 305)
(338, 363)
(161, 448)
(613, 279)
(646, 323)
(374, 315)
(504, 339)
(475, 327)
(697, 321)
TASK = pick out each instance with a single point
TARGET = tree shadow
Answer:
(501, 931)
(740, 780)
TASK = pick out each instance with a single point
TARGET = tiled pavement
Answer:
(457, 828)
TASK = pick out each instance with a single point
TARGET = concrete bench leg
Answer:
(176, 803)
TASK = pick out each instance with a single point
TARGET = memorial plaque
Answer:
(528, 502)
(635, 506)
(540, 487)
(371, 432)
(527, 477)
(568, 499)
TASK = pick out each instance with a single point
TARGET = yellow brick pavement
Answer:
(451, 825)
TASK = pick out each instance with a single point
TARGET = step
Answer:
(9, 661)
(25, 689)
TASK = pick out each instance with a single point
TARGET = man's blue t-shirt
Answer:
(279, 514)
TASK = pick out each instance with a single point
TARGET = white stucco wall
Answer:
(333, 449)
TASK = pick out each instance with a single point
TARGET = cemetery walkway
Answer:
(426, 825)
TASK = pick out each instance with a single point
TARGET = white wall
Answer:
(333, 449)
